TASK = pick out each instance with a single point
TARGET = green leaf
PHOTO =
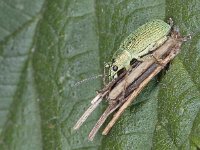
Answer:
(46, 47)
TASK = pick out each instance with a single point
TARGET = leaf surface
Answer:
(46, 47)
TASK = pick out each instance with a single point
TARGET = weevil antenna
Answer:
(106, 65)
(87, 79)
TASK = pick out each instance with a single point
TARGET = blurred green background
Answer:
(46, 46)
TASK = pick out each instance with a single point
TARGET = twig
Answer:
(102, 119)
(94, 103)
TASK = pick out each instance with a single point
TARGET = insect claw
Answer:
(170, 22)
(188, 37)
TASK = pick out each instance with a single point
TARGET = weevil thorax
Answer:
(139, 43)
(121, 59)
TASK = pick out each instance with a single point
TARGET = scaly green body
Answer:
(146, 38)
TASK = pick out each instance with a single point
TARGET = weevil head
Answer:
(121, 60)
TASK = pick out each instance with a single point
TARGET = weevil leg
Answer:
(134, 63)
(170, 22)
(175, 33)
(186, 38)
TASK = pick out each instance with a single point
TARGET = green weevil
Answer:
(140, 43)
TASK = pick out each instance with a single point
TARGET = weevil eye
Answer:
(115, 68)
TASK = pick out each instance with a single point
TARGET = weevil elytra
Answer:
(142, 41)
